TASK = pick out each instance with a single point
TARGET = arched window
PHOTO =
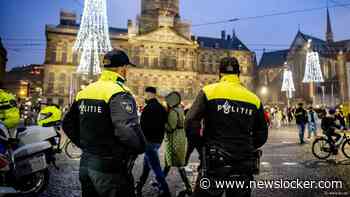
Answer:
(64, 53)
(53, 55)
(51, 82)
(62, 77)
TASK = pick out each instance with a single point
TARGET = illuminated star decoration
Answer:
(313, 72)
(288, 84)
(93, 37)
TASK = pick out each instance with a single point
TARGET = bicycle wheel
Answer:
(72, 151)
(321, 148)
(346, 148)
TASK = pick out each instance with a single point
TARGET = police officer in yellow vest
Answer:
(103, 122)
(234, 128)
(9, 113)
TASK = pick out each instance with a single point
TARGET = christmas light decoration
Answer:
(313, 72)
(93, 36)
(288, 84)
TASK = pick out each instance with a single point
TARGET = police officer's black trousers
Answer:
(105, 184)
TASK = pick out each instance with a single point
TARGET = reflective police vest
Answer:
(96, 129)
(9, 113)
(230, 113)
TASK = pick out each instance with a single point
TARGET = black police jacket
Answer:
(103, 121)
(233, 118)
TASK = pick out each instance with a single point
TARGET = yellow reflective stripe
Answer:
(231, 91)
(100, 90)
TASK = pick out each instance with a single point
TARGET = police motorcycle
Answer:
(25, 155)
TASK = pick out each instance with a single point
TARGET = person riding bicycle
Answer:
(329, 125)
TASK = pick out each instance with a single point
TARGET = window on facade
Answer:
(61, 102)
(50, 87)
(61, 89)
(75, 59)
(62, 77)
(64, 54)
(137, 60)
(173, 63)
(156, 62)
(146, 62)
(53, 56)
(51, 77)
(51, 82)
(182, 64)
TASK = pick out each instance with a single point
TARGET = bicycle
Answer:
(322, 149)
(71, 150)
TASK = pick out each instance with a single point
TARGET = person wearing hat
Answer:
(175, 142)
(103, 122)
(153, 119)
(301, 120)
(234, 128)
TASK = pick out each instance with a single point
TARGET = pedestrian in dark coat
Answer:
(153, 119)
(301, 120)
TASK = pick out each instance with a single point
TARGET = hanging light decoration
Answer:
(313, 72)
(93, 36)
(288, 84)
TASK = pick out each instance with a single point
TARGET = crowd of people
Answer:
(308, 119)
(225, 124)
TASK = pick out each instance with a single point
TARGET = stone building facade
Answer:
(159, 42)
(25, 81)
(334, 60)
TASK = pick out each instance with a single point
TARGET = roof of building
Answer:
(342, 45)
(113, 30)
(26, 68)
(319, 45)
(273, 59)
(233, 43)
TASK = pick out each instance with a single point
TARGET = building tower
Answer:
(161, 13)
(156, 13)
(329, 32)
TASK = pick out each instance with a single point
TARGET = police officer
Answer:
(9, 113)
(103, 122)
(234, 128)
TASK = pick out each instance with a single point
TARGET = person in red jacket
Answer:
(267, 117)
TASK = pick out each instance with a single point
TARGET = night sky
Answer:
(22, 22)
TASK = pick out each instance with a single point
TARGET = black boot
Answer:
(187, 183)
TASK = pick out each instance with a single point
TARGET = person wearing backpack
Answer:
(175, 139)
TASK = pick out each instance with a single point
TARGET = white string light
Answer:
(288, 84)
(93, 36)
(313, 72)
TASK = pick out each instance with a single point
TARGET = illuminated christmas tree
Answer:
(313, 72)
(288, 84)
(93, 36)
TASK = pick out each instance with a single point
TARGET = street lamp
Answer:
(263, 90)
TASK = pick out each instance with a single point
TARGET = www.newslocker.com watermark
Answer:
(207, 184)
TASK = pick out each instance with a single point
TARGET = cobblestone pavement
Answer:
(282, 159)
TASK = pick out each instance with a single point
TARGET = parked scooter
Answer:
(27, 153)
(24, 168)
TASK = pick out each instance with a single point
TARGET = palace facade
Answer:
(162, 46)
